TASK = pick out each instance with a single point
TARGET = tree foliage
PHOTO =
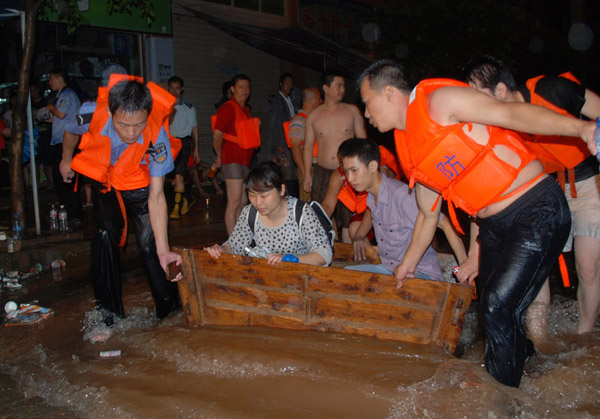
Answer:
(68, 11)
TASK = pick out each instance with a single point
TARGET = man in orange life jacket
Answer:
(447, 141)
(566, 158)
(127, 152)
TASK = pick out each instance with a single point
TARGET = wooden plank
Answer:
(235, 317)
(189, 290)
(427, 294)
(238, 269)
(453, 317)
(240, 290)
(411, 321)
(254, 297)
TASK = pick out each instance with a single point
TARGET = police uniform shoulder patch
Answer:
(159, 153)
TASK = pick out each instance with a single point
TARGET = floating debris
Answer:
(110, 354)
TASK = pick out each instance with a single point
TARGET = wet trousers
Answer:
(518, 248)
(105, 268)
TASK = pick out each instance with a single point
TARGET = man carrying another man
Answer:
(447, 142)
(566, 158)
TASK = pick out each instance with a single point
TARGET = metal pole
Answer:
(36, 208)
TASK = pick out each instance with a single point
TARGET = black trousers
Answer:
(105, 267)
(67, 196)
(518, 248)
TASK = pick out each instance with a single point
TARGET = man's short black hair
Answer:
(240, 76)
(365, 149)
(327, 78)
(285, 76)
(60, 72)
(176, 79)
(385, 73)
(130, 97)
(490, 71)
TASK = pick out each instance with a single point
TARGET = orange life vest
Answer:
(388, 159)
(286, 131)
(355, 202)
(247, 130)
(556, 153)
(446, 159)
(128, 173)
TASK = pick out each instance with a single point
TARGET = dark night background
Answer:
(438, 37)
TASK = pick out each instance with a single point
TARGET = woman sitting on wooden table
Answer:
(275, 226)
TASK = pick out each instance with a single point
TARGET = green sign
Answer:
(95, 13)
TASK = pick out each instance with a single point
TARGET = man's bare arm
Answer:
(359, 240)
(196, 144)
(309, 142)
(454, 239)
(423, 233)
(333, 189)
(449, 105)
(359, 123)
(70, 141)
(56, 112)
(469, 269)
(157, 207)
(297, 155)
(591, 107)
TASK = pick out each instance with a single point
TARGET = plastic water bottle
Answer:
(597, 137)
(17, 227)
(213, 171)
(53, 218)
(63, 224)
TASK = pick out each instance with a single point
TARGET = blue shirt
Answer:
(67, 102)
(160, 162)
(81, 123)
(394, 218)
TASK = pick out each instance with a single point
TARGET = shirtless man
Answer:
(329, 125)
(311, 99)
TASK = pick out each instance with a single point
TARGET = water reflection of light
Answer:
(371, 32)
(536, 45)
(581, 36)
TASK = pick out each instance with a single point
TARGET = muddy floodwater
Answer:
(167, 370)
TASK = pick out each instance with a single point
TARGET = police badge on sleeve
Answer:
(159, 153)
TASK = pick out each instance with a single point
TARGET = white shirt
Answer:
(184, 119)
(288, 101)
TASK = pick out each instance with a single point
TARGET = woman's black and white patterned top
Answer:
(285, 238)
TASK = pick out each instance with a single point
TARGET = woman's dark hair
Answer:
(264, 177)
(240, 76)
